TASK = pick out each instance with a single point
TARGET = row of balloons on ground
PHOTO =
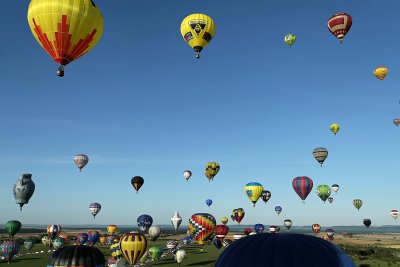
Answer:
(47, 18)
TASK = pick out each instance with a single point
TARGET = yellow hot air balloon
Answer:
(198, 30)
(65, 29)
(381, 72)
(335, 128)
(212, 168)
(253, 191)
(133, 246)
(103, 239)
(111, 229)
(224, 220)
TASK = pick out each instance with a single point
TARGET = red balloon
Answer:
(221, 231)
(339, 24)
(247, 231)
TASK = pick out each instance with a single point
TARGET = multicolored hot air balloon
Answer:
(339, 25)
(238, 214)
(176, 220)
(224, 220)
(23, 189)
(71, 256)
(198, 30)
(330, 233)
(212, 168)
(137, 183)
(112, 228)
(323, 191)
(320, 154)
(154, 232)
(93, 237)
(133, 246)
(187, 174)
(81, 160)
(287, 223)
(253, 191)
(394, 214)
(53, 231)
(367, 222)
(302, 185)
(144, 222)
(221, 231)
(380, 72)
(94, 208)
(334, 128)
(259, 228)
(316, 227)
(82, 238)
(330, 199)
(58, 243)
(57, 27)
(9, 249)
(115, 251)
(12, 227)
(335, 188)
(357, 203)
(396, 121)
(265, 195)
(289, 39)
(278, 209)
(201, 226)
(209, 202)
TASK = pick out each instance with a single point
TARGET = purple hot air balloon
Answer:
(302, 185)
(81, 238)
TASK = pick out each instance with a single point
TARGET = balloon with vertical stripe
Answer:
(133, 246)
(302, 185)
(75, 256)
(53, 231)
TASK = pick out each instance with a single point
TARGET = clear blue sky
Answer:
(140, 104)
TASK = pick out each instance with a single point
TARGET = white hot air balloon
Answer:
(335, 188)
(180, 255)
(154, 232)
(287, 223)
(187, 174)
(81, 160)
(23, 189)
(176, 220)
(272, 229)
(394, 213)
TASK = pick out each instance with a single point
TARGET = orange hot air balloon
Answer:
(65, 29)
(339, 25)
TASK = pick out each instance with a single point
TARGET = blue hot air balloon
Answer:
(259, 228)
(209, 202)
(278, 209)
(144, 222)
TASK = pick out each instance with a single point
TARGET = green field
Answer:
(362, 256)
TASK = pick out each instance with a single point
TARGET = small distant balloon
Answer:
(339, 25)
(320, 154)
(330, 199)
(334, 128)
(335, 188)
(209, 202)
(94, 208)
(289, 39)
(381, 72)
(187, 174)
(81, 160)
(137, 183)
(278, 209)
(357, 203)
(394, 214)
(396, 121)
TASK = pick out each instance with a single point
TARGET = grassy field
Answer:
(362, 256)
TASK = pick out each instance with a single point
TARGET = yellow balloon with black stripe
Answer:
(335, 128)
(253, 191)
(133, 246)
(65, 29)
(198, 30)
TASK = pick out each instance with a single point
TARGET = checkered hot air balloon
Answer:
(302, 185)
(81, 160)
(339, 25)
(94, 208)
(201, 226)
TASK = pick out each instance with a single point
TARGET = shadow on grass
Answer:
(200, 263)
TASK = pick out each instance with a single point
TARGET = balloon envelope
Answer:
(176, 220)
(144, 222)
(12, 227)
(302, 185)
(133, 246)
(81, 160)
(283, 250)
(137, 182)
(380, 72)
(23, 189)
(154, 232)
(94, 208)
(320, 154)
(339, 25)
(9, 249)
(70, 256)
(253, 191)
(180, 255)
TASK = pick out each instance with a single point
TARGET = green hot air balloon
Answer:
(12, 227)
(323, 191)
(155, 252)
(357, 203)
(290, 39)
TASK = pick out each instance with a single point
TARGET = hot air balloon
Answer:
(367, 222)
(46, 240)
(103, 239)
(53, 231)
(12, 227)
(330, 199)
(335, 188)
(115, 251)
(58, 243)
(198, 30)
(93, 237)
(380, 72)
(323, 191)
(94, 208)
(294, 250)
(330, 233)
(247, 231)
(302, 185)
(339, 25)
(217, 243)
(334, 128)
(316, 227)
(28, 244)
(238, 214)
(23, 189)
(272, 229)
(180, 255)
(278, 209)
(394, 214)
(209, 202)
(172, 244)
(137, 183)
(287, 223)
(176, 220)
(155, 252)
(82, 238)
(396, 122)
(77, 256)
(187, 174)
(289, 39)
(265, 195)
(212, 168)
(187, 240)
(221, 231)
(133, 246)
(154, 232)
(224, 220)
(320, 154)
(57, 26)
(144, 222)
(81, 160)
(357, 203)
(259, 228)
(112, 228)
(201, 226)
(9, 249)
(253, 191)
